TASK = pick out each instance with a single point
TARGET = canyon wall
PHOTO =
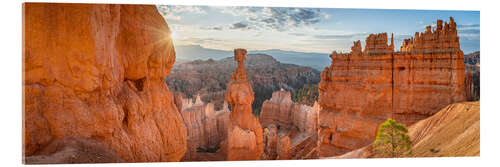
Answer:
(472, 76)
(244, 141)
(206, 128)
(361, 89)
(429, 73)
(472, 83)
(290, 130)
(95, 71)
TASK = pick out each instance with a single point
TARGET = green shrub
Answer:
(306, 95)
(392, 140)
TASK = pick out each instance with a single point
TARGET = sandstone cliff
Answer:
(290, 130)
(244, 141)
(95, 71)
(359, 90)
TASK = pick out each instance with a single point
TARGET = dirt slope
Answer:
(452, 132)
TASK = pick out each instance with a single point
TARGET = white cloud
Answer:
(239, 11)
(275, 18)
(327, 16)
(174, 11)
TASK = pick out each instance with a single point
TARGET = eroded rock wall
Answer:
(96, 71)
(355, 95)
(206, 128)
(361, 89)
(429, 73)
(290, 130)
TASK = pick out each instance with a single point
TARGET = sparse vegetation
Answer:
(432, 150)
(392, 140)
(209, 149)
(306, 95)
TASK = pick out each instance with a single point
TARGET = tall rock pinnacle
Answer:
(244, 132)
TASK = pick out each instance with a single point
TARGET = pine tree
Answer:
(392, 140)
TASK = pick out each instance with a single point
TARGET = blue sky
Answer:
(319, 30)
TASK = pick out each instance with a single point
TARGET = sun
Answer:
(173, 35)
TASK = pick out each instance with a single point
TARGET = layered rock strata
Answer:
(95, 71)
(290, 130)
(244, 141)
(361, 89)
(206, 128)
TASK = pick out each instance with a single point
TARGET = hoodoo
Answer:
(290, 129)
(206, 128)
(359, 90)
(95, 71)
(244, 141)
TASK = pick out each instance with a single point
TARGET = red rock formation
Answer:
(277, 110)
(96, 71)
(244, 140)
(428, 74)
(206, 128)
(472, 82)
(74, 150)
(271, 140)
(222, 117)
(293, 124)
(358, 90)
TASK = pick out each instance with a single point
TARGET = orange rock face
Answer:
(359, 90)
(96, 71)
(290, 130)
(206, 128)
(244, 140)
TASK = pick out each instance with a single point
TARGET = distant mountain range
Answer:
(195, 52)
(472, 58)
(317, 61)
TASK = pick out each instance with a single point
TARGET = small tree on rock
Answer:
(392, 140)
